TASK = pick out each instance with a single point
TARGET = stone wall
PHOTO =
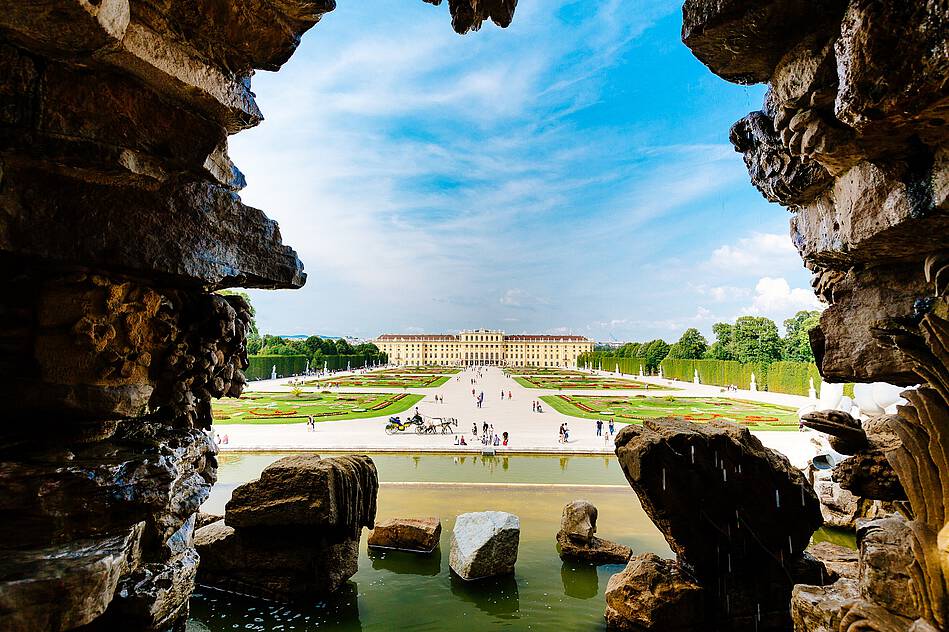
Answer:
(119, 219)
(853, 138)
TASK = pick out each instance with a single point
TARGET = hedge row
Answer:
(779, 377)
(627, 366)
(261, 366)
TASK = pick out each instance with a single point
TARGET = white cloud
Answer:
(775, 298)
(516, 297)
(761, 253)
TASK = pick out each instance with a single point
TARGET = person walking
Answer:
(474, 428)
(612, 428)
(599, 427)
(533, 406)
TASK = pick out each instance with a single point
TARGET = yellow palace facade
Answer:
(483, 347)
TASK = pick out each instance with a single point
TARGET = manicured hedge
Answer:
(355, 361)
(260, 366)
(779, 377)
(627, 366)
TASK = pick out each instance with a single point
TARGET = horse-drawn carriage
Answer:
(423, 424)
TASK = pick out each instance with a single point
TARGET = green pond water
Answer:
(402, 591)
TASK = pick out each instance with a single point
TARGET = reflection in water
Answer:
(404, 591)
(405, 563)
(579, 580)
(217, 610)
(496, 596)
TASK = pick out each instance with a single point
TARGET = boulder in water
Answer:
(418, 535)
(576, 541)
(654, 594)
(484, 544)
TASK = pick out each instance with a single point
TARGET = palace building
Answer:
(483, 346)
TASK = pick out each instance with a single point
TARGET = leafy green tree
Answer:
(654, 352)
(756, 339)
(366, 348)
(796, 344)
(721, 349)
(691, 346)
(343, 347)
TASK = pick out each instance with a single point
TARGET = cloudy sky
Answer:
(571, 173)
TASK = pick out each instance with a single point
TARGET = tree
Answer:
(796, 343)
(721, 349)
(756, 339)
(343, 347)
(654, 352)
(691, 346)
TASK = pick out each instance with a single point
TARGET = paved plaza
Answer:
(529, 431)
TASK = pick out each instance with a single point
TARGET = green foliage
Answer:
(260, 366)
(779, 377)
(654, 352)
(796, 344)
(755, 339)
(611, 362)
(692, 345)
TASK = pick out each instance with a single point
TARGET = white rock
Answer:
(484, 544)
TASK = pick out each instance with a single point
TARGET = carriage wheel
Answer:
(391, 430)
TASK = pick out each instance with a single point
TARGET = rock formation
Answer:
(654, 594)
(293, 533)
(737, 515)
(484, 544)
(119, 220)
(853, 140)
(576, 541)
(419, 535)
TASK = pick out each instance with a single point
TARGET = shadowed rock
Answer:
(654, 594)
(736, 513)
(293, 533)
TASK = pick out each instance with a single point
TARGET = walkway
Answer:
(529, 431)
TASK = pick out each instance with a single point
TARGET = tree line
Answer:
(749, 339)
(314, 347)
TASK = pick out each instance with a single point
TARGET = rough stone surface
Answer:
(119, 219)
(307, 491)
(576, 541)
(294, 532)
(728, 507)
(407, 534)
(842, 509)
(64, 587)
(296, 565)
(484, 544)
(839, 561)
(852, 139)
(578, 521)
(654, 594)
(822, 608)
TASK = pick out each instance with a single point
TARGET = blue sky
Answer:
(571, 173)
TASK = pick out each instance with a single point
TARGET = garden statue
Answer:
(273, 372)
(695, 377)
(811, 392)
(754, 385)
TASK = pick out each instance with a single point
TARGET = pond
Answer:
(402, 591)
(395, 591)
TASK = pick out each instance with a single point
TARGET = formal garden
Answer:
(541, 371)
(420, 370)
(581, 382)
(752, 415)
(381, 380)
(289, 408)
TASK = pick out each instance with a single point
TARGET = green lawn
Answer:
(584, 382)
(753, 415)
(287, 408)
(379, 380)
